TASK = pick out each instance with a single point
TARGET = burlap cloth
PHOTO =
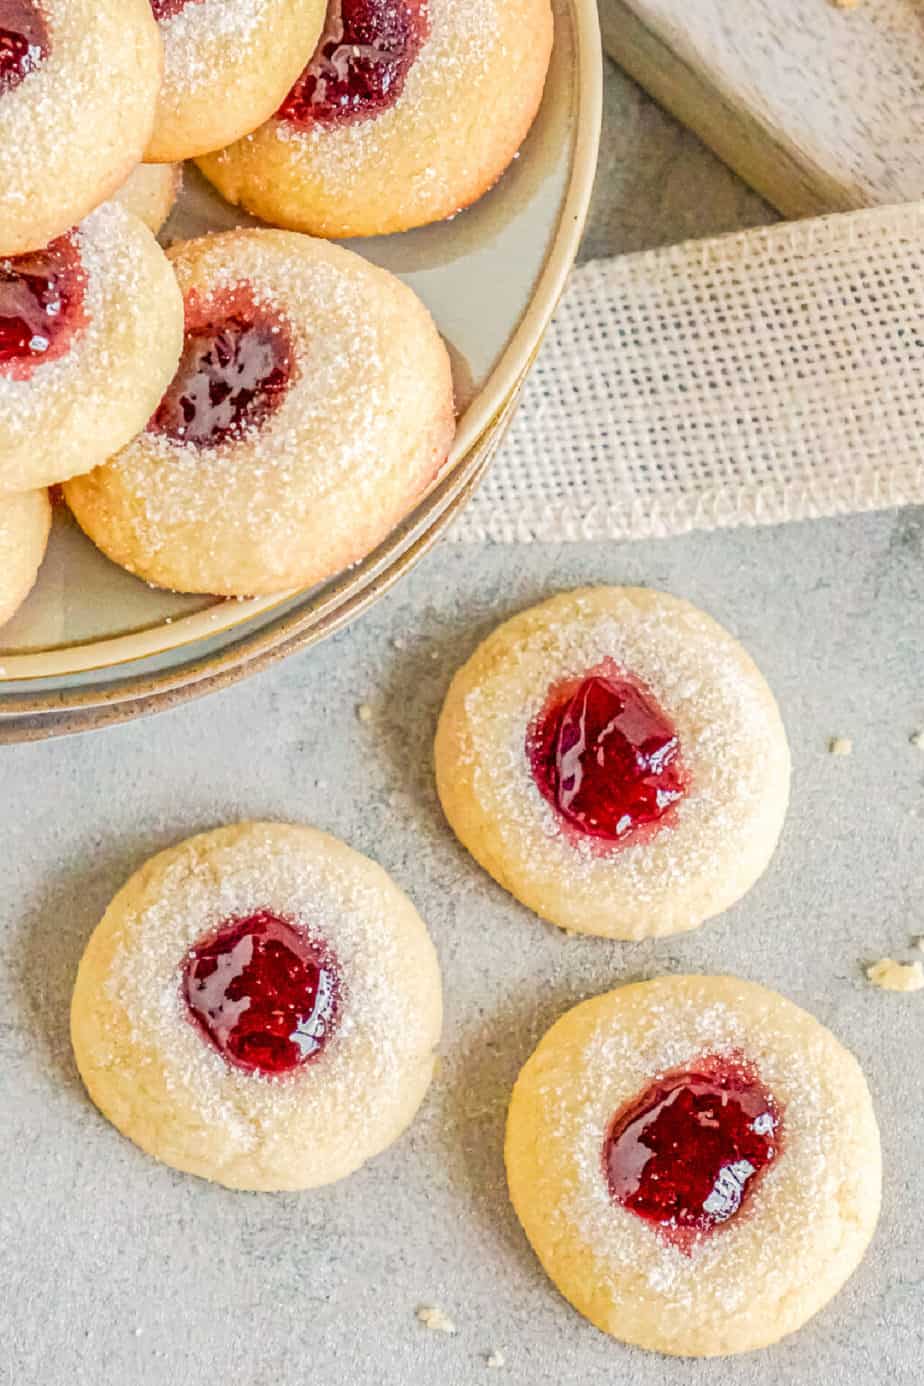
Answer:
(770, 375)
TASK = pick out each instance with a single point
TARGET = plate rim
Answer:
(50, 712)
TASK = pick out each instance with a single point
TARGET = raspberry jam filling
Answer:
(263, 992)
(606, 756)
(361, 63)
(41, 306)
(23, 41)
(687, 1154)
(167, 9)
(236, 367)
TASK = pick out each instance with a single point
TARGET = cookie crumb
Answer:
(917, 739)
(896, 976)
(364, 712)
(495, 1359)
(434, 1319)
(919, 943)
(845, 4)
(398, 643)
(840, 745)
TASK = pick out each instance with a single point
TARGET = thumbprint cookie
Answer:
(91, 328)
(227, 66)
(408, 111)
(312, 405)
(615, 759)
(78, 91)
(259, 1006)
(696, 1163)
(24, 524)
(150, 193)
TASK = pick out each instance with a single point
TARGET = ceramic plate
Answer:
(94, 645)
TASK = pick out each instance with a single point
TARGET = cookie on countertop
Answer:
(615, 759)
(696, 1163)
(260, 1006)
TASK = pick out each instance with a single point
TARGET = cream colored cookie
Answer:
(77, 114)
(318, 468)
(150, 193)
(24, 524)
(228, 66)
(707, 849)
(774, 1243)
(463, 109)
(67, 407)
(258, 1107)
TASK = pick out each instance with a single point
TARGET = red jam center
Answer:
(236, 367)
(263, 992)
(41, 306)
(361, 63)
(687, 1154)
(167, 9)
(23, 41)
(606, 756)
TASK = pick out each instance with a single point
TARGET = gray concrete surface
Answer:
(113, 1269)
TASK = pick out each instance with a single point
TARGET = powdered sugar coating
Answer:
(72, 130)
(73, 412)
(24, 524)
(149, 1068)
(732, 740)
(189, 35)
(228, 64)
(467, 104)
(365, 424)
(769, 1269)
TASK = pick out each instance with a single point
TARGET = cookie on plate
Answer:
(312, 406)
(91, 329)
(150, 193)
(78, 90)
(24, 524)
(227, 66)
(409, 111)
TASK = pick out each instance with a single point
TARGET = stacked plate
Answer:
(93, 645)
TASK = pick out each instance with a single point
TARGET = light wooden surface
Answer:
(819, 108)
(657, 183)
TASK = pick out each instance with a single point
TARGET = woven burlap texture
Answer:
(775, 374)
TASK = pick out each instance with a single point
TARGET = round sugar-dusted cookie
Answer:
(78, 90)
(313, 404)
(227, 66)
(24, 524)
(259, 1006)
(408, 111)
(90, 333)
(615, 759)
(150, 193)
(695, 1161)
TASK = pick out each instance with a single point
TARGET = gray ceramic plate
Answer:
(93, 645)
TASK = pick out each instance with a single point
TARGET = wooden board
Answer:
(819, 108)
